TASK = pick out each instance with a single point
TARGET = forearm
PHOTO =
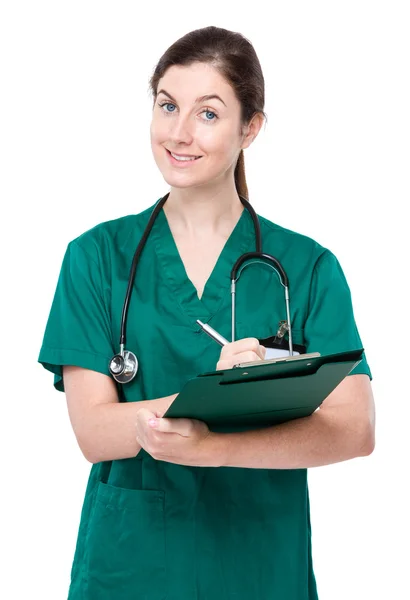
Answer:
(108, 431)
(326, 437)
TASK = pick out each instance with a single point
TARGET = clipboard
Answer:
(263, 393)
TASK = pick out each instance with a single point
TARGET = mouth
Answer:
(182, 162)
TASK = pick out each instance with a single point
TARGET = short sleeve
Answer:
(330, 326)
(78, 329)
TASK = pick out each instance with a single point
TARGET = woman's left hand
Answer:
(179, 441)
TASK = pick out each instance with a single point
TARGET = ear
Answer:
(252, 130)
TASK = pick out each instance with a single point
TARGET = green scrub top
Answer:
(153, 530)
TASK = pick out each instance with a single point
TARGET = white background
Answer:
(332, 163)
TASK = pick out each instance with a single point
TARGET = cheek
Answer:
(158, 139)
(218, 142)
(159, 131)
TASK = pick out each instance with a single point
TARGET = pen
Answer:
(212, 333)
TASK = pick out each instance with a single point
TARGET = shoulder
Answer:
(114, 234)
(292, 246)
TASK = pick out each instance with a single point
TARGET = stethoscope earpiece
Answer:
(124, 367)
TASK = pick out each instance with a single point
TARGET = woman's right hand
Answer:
(245, 350)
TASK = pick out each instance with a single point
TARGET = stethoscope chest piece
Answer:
(123, 367)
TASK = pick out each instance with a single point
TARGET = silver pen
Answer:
(212, 333)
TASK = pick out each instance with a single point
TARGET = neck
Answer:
(195, 213)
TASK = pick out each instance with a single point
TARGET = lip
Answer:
(179, 163)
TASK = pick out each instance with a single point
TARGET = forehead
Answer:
(198, 79)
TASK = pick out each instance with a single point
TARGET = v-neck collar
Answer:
(217, 287)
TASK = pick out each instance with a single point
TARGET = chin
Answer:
(178, 182)
(183, 180)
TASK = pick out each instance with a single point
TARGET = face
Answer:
(208, 128)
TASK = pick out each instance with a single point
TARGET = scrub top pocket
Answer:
(126, 545)
(281, 348)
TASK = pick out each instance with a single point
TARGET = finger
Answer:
(246, 357)
(261, 351)
(223, 364)
(237, 359)
(181, 426)
(163, 405)
(143, 414)
(239, 346)
(141, 422)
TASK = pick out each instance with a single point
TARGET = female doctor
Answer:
(172, 510)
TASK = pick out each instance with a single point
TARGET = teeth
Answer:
(184, 157)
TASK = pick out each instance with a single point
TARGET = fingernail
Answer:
(153, 422)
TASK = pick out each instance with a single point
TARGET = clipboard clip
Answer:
(283, 328)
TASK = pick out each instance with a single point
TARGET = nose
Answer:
(180, 131)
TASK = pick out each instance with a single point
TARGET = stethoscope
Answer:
(124, 365)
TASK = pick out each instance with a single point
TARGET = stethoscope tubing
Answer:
(234, 278)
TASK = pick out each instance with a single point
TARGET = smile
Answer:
(182, 161)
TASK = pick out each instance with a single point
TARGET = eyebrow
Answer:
(200, 99)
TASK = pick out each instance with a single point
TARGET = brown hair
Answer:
(234, 57)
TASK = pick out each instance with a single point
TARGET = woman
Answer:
(161, 517)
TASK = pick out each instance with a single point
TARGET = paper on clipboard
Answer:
(277, 352)
(283, 358)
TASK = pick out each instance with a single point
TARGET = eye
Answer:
(210, 112)
(206, 110)
(166, 104)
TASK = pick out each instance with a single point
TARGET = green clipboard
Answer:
(262, 394)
